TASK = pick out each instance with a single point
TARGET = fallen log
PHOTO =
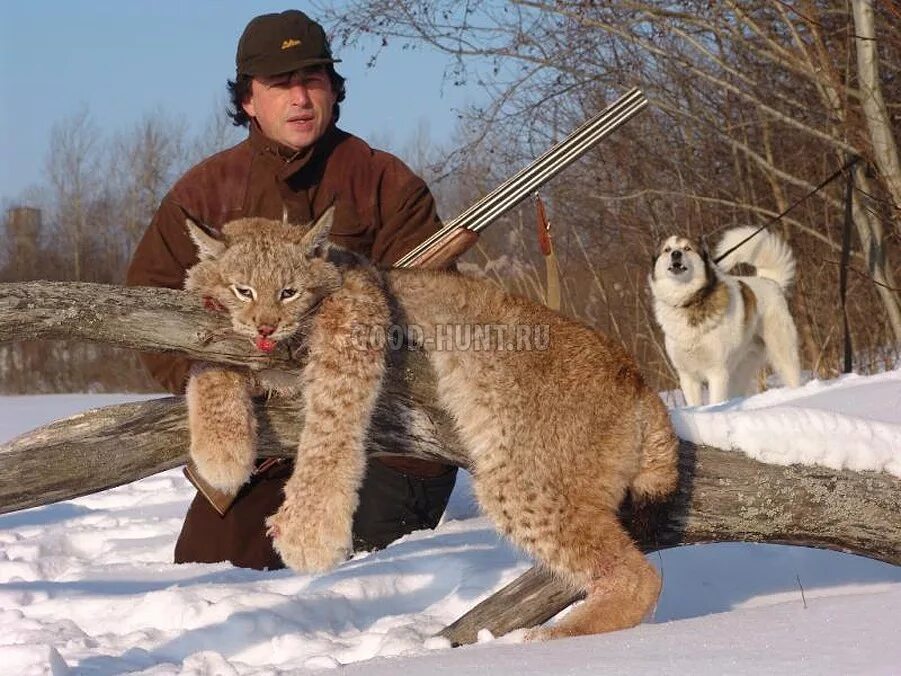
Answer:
(153, 320)
(723, 496)
(115, 445)
(119, 444)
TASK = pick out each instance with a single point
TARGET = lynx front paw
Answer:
(309, 540)
(226, 465)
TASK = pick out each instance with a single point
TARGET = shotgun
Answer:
(461, 234)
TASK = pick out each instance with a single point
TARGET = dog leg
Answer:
(743, 381)
(691, 388)
(718, 384)
(781, 339)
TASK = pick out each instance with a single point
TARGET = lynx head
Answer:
(268, 275)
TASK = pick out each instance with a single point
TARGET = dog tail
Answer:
(659, 473)
(768, 253)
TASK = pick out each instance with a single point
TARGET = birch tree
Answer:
(73, 173)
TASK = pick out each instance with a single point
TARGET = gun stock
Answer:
(448, 249)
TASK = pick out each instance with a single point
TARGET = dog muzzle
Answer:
(676, 266)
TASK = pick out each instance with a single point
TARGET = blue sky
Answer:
(123, 59)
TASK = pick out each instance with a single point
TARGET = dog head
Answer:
(681, 267)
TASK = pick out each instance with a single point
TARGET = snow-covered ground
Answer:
(87, 587)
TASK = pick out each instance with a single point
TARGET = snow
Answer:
(87, 587)
(849, 423)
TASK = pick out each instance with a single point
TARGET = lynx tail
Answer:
(659, 474)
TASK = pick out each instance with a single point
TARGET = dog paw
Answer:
(309, 540)
(226, 466)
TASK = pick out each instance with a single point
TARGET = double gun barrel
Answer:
(460, 234)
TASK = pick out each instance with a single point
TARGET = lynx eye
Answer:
(288, 294)
(244, 293)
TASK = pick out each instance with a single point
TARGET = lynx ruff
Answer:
(555, 437)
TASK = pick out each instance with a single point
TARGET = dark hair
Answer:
(239, 91)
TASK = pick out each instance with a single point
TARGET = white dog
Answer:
(720, 328)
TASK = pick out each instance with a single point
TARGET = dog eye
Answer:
(244, 293)
(288, 294)
(687, 248)
(666, 249)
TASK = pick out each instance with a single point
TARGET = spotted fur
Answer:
(557, 431)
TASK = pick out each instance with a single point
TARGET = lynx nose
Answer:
(265, 330)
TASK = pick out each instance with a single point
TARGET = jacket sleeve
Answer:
(408, 213)
(162, 258)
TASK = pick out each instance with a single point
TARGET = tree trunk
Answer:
(872, 242)
(148, 319)
(879, 126)
(722, 496)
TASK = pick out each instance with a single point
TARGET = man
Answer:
(294, 164)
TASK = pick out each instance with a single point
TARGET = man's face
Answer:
(294, 108)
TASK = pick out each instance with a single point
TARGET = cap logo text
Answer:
(287, 44)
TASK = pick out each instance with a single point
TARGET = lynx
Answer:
(555, 417)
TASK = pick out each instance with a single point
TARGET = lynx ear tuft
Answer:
(208, 241)
(316, 238)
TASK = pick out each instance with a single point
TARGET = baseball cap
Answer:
(279, 43)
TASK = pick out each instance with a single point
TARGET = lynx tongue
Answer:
(264, 344)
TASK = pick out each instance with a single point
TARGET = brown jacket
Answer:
(382, 211)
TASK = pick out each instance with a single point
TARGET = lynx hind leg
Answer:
(575, 533)
(621, 586)
(312, 529)
(222, 426)
(593, 550)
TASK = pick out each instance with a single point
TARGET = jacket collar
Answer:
(288, 160)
